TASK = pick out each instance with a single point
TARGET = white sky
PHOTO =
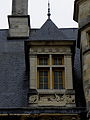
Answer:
(61, 13)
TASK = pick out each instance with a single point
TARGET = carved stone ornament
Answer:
(57, 100)
(49, 50)
(33, 99)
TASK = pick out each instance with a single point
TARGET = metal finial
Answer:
(49, 10)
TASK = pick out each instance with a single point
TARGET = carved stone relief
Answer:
(56, 100)
(49, 50)
(33, 99)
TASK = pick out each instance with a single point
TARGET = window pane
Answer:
(58, 60)
(55, 61)
(58, 80)
(55, 77)
(60, 77)
(45, 86)
(40, 73)
(61, 86)
(45, 73)
(55, 86)
(43, 79)
(46, 79)
(43, 61)
(40, 86)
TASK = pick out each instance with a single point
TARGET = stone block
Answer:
(20, 7)
(19, 26)
(84, 9)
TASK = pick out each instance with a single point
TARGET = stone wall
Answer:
(82, 16)
(84, 9)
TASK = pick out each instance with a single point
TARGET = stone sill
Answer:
(53, 91)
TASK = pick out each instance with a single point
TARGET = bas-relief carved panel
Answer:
(50, 50)
(55, 100)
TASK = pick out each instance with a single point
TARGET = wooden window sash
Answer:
(38, 80)
(63, 81)
(43, 57)
(58, 57)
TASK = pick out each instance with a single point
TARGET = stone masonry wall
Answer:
(84, 9)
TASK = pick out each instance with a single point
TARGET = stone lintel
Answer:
(52, 42)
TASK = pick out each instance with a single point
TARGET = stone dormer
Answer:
(51, 55)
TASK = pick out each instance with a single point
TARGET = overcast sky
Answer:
(61, 13)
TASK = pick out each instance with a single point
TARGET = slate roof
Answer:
(49, 31)
(13, 77)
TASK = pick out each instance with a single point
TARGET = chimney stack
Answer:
(19, 21)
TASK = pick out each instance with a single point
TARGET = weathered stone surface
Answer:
(50, 49)
(19, 7)
(84, 9)
(52, 100)
(33, 72)
(19, 23)
(19, 26)
(83, 15)
(68, 72)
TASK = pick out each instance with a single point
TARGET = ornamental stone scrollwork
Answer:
(33, 99)
(56, 100)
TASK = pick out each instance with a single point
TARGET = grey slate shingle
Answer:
(49, 31)
(13, 79)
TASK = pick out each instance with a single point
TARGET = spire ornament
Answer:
(49, 14)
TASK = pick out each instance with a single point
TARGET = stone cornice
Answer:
(38, 110)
